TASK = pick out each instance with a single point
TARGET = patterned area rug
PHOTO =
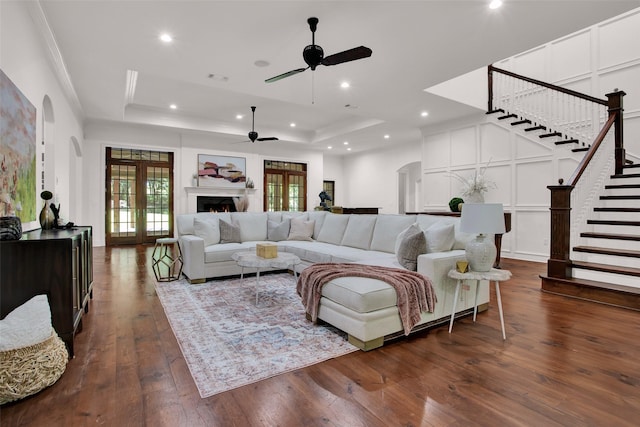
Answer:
(228, 342)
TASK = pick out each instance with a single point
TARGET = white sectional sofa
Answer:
(363, 308)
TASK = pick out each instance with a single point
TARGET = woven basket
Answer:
(26, 371)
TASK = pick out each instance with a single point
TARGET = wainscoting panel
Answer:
(610, 34)
(626, 79)
(525, 148)
(435, 187)
(530, 63)
(501, 176)
(568, 56)
(463, 146)
(532, 233)
(436, 153)
(531, 183)
(494, 143)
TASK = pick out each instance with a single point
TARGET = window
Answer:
(329, 187)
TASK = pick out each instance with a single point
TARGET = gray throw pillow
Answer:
(278, 231)
(412, 244)
(229, 233)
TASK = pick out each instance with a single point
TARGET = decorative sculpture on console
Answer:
(323, 200)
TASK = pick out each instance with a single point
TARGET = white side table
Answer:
(494, 275)
(250, 259)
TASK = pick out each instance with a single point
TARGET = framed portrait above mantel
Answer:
(221, 171)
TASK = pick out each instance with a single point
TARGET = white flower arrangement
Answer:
(478, 183)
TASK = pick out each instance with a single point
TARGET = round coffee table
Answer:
(251, 260)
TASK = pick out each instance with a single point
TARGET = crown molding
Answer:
(55, 58)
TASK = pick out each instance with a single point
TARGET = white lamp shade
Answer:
(484, 218)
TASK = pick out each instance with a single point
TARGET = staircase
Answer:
(595, 219)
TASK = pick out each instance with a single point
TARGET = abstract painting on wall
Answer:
(221, 171)
(17, 153)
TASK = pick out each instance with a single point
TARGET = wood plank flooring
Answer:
(565, 362)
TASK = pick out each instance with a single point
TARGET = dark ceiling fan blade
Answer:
(268, 138)
(359, 52)
(284, 75)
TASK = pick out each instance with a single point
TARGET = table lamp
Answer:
(481, 218)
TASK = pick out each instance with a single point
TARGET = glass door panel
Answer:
(296, 193)
(122, 206)
(158, 198)
(274, 186)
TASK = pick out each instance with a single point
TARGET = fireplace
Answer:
(215, 204)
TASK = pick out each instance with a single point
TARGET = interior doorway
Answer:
(139, 196)
(410, 188)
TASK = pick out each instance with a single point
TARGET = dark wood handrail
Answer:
(592, 150)
(549, 85)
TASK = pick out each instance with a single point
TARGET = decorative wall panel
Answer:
(531, 183)
(526, 148)
(611, 51)
(531, 64)
(435, 154)
(532, 232)
(436, 189)
(463, 146)
(494, 143)
(568, 56)
(626, 79)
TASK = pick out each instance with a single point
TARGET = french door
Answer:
(285, 186)
(139, 196)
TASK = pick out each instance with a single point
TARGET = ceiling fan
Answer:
(314, 55)
(253, 135)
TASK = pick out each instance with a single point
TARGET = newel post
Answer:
(490, 88)
(614, 104)
(558, 265)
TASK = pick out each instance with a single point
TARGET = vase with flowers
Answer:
(474, 187)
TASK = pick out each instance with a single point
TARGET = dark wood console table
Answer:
(497, 237)
(57, 263)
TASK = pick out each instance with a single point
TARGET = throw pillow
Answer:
(440, 237)
(301, 229)
(27, 325)
(208, 230)
(229, 233)
(277, 231)
(412, 244)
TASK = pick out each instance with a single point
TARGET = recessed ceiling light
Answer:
(386, 136)
(495, 4)
(349, 149)
(165, 37)
(344, 85)
(239, 116)
(346, 143)
(292, 124)
(424, 114)
(329, 147)
(173, 106)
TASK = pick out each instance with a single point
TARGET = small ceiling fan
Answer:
(253, 135)
(314, 55)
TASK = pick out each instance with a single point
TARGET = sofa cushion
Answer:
(440, 237)
(229, 233)
(318, 217)
(312, 252)
(359, 231)
(253, 225)
(277, 231)
(301, 229)
(387, 228)
(222, 253)
(412, 242)
(333, 228)
(274, 216)
(360, 294)
(208, 229)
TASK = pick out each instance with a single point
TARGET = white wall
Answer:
(371, 178)
(26, 64)
(334, 171)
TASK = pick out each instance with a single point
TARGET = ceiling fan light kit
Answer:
(313, 55)
(253, 135)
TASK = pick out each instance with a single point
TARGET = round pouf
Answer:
(10, 228)
(26, 371)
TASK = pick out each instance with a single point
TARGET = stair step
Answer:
(578, 150)
(550, 134)
(626, 175)
(521, 122)
(620, 209)
(497, 110)
(607, 251)
(630, 164)
(508, 116)
(613, 222)
(611, 236)
(627, 271)
(567, 141)
(596, 291)
(619, 186)
(538, 127)
(620, 197)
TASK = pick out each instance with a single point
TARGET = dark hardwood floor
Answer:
(565, 362)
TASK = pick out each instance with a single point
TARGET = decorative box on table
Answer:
(266, 250)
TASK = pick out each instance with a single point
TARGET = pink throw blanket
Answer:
(415, 292)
